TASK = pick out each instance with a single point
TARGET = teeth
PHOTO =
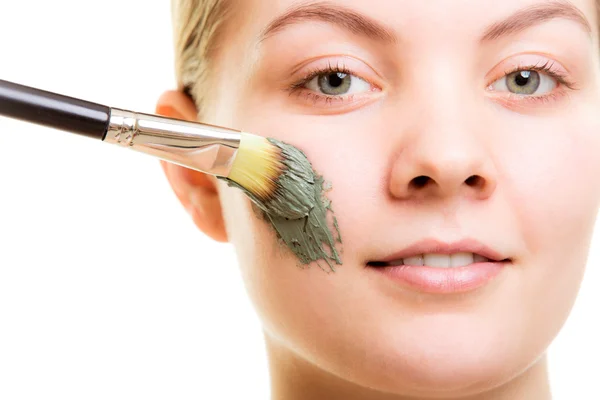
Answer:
(442, 260)
(436, 260)
(416, 261)
(461, 259)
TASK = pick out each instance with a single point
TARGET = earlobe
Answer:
(196, 191)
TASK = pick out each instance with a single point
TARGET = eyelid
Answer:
(346, 64)
(539, 104)
(530, 62)
(536, 102)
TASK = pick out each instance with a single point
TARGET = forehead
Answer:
(407, 16)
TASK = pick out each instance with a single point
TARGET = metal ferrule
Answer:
(207, 148)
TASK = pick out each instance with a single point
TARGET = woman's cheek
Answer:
(546, 173)
(242, 223)
(338, 149)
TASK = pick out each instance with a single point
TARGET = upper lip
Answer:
(432, 246)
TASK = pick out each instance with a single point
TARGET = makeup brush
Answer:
(254, 163)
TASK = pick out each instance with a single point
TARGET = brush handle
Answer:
(54, 110)
(202, 147)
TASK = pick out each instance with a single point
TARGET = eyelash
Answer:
(547, 68)
(298, 87)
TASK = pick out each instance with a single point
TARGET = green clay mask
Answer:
(299, 210)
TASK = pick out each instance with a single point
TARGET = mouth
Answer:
(438, 267)
(433, 260)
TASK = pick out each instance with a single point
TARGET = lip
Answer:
(434, 246)
(445, 280)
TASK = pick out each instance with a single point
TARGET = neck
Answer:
(293, 378)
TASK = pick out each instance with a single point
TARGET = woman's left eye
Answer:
(337, 84)
(526, 83)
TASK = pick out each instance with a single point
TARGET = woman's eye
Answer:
(526, 83)
(337, 84)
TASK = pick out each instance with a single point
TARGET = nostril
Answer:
(420, 181)
(475, 181)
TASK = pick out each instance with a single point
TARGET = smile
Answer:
(435, 260)
(437, 267)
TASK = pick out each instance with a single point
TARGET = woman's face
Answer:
(429, 93)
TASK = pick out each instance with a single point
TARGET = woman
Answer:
(468, 129)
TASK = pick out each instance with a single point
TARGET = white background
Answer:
(107, 290)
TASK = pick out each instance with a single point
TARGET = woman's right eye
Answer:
(335, 83)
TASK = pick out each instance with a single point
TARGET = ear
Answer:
(196, 191)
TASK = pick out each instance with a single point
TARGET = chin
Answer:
(449, 374)
(442, 356)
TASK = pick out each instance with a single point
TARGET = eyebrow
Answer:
(327, 12)
(535, 15)
(362, 25)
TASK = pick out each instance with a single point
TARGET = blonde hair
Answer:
(196, 25)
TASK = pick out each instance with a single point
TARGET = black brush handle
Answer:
(53, 110)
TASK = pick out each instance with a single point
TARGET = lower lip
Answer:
(444, 280)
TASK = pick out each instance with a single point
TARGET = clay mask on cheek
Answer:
(299, 213)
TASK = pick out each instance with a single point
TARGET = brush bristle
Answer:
(257, 166)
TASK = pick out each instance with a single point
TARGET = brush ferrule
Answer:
(206, 148)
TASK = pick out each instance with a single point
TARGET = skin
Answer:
(354, 334)
(299, 212)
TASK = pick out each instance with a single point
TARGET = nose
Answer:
(442, 158)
